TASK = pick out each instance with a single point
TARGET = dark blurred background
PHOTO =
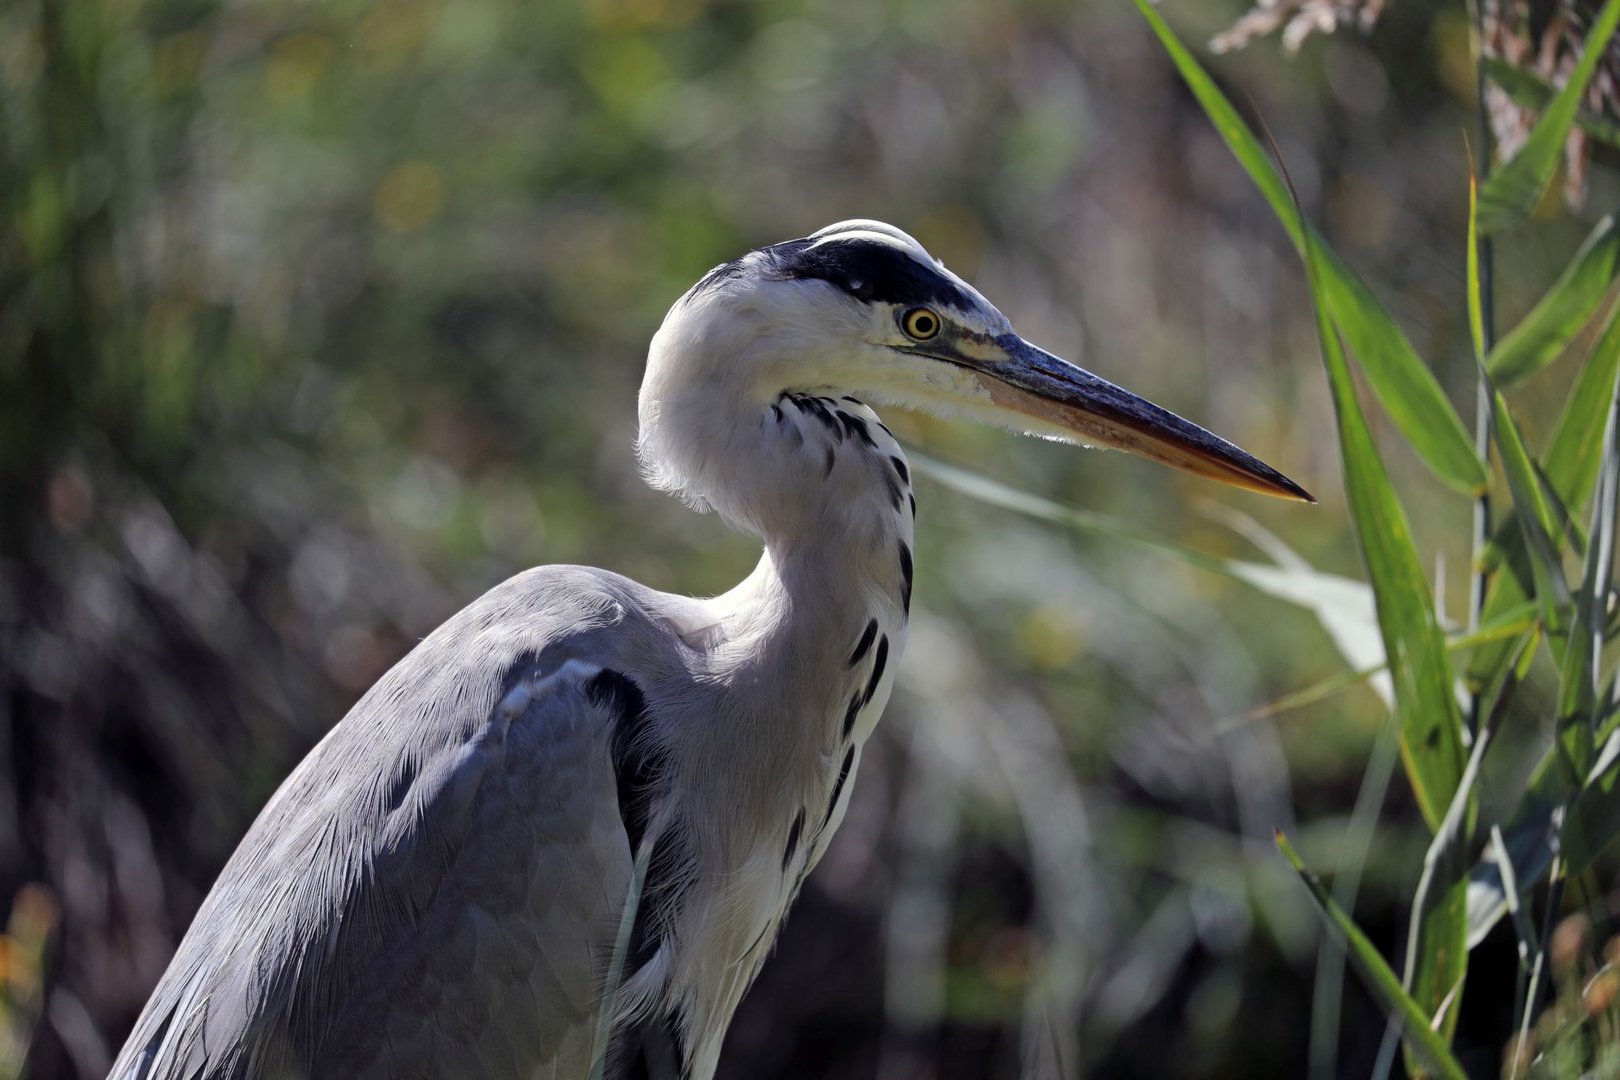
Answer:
(318, 319)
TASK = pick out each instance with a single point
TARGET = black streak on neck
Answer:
(867, 637)
(838, 786)
(905, 576)
(878, 664)
(793, 839)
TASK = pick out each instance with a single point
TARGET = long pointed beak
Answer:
(1071, 402)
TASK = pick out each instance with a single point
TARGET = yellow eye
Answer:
(920, 323)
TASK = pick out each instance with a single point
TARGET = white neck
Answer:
(805, 647)
(816, 475)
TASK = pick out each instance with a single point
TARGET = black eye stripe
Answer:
(868, 270)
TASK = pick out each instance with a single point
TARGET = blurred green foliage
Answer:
(318, 319)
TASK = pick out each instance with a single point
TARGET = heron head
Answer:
(861, 307)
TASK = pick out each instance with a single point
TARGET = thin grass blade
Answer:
(1476, 307)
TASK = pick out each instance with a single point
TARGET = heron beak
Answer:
(1069, 402)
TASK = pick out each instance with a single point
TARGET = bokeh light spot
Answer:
(296, 64)
(1050, 638)
(410, 196)
(397, 28)
(176, 60)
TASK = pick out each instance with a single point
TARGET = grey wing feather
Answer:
(431, 892)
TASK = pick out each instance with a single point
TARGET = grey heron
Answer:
(440, 887)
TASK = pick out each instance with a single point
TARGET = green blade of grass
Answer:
(1424, 1040)
(1397, 374)
(1514, 188)
(1431, 721)
(1543, 334)
(1476, 307)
